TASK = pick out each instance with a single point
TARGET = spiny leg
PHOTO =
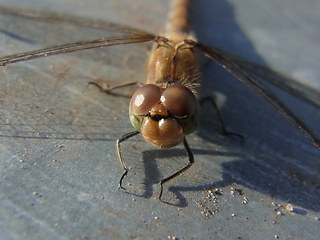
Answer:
(125, 136)
(191, 161)
(123, 164)
(222, 124)
(108, 90)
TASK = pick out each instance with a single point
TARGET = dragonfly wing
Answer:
(236, 70)
(37, 97)
(134, 36)
(70, 19)
(72, 47)
(290, 85)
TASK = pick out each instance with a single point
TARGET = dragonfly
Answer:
(166, 108)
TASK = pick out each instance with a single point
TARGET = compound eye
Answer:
(144, 98)
(180, 101)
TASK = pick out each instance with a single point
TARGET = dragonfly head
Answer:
(164, 116)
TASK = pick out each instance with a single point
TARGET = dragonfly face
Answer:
(164, 116)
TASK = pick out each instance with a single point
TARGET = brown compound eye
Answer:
(180, 101)
(144, 98)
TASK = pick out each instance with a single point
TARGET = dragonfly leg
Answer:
(108, 90)
(123, 164)
(191, 161)
(222, 124)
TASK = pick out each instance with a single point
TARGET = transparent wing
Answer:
(235, 68)
(51, 98)
(61, 18)
(303, 92)
(72, 47)
(135, 36)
